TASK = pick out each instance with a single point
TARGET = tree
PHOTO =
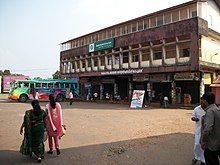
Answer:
(56, 75)
(37, 78)
(7, 72)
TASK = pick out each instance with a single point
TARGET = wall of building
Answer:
(210, 50)
(213, 16)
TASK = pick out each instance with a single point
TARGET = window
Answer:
(140, 25)
(153, 22)
(100, 36)
(175, 16)
(89, 62)
(109, 60)
(170, 51)
(135, 56)
(117, 59)
(146, 55)
(83, 64)
(146, 24)
(184, 49)
(159, 20)
(186, 52)
(124, 30)
(95, 61)
(44, 85)
(129, 28)
(102, 59)
(125, 57)
(193, 11)
(73, 64)
(26, 85)
(134, 27)
(113, 32)
(118, 31)
(38, 85)
(183, 14)
(50, 85)
(167, 18)
(61, 85)
(157, 52)
(157, 56)
(103, 35)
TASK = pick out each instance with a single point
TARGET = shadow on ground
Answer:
(170, 149)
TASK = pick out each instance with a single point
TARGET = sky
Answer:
(31, 30)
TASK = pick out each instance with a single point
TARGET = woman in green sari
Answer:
(34, 127)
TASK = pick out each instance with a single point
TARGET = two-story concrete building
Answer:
(173, 52)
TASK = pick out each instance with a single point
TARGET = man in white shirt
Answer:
(197, 115)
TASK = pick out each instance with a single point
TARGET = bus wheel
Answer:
(23, 98)
(59, 98)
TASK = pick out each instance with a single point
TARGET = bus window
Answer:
(44, 85)
(56, 85)
(38, 85)
(50, 85)
(61, 85)
(20, 84)
(67, 85)
(26, 85)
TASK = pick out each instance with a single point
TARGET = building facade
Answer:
(173, 52)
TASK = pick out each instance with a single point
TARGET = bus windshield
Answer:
(22, 90)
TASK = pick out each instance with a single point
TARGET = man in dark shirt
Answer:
(210, 139)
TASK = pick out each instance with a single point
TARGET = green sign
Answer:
(102, 45)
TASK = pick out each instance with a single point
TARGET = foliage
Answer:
(5, 72)
(56, 75)
(37, 78)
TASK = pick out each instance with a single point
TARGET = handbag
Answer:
(64, 129)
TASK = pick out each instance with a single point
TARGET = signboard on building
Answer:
(141, 77)
(187, 76)
(137, 99)
(121, 72)
(101, 45)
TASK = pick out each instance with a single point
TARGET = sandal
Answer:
(58, 151)
(50, 152)
(39, 160)
(194, 161)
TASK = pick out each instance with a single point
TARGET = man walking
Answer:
(210, 139)
(197, 115)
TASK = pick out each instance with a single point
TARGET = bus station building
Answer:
(173, 52)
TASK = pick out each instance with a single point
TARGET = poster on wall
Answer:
(137, 99)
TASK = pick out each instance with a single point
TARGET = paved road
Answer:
(106, 134)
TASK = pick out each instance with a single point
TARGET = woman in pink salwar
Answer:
(54, 124)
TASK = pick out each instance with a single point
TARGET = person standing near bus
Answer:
(54, 123)
(32, 92)
(71, 97)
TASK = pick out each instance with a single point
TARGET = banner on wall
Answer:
(137, 99)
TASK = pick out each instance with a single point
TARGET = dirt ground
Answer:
(106, 134)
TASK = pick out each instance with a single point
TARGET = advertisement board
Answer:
(137, 99)
(7, 80)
